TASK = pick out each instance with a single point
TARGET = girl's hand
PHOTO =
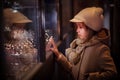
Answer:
(52, 46)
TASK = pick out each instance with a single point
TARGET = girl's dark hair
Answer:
(94, 32)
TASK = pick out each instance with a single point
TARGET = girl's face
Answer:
(82, 30)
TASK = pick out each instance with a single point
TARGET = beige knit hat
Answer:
(92, 17)
(11, 17)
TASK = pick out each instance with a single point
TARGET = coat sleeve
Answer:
(106, 65)
(65, 63)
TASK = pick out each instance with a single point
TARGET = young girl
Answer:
(88, 57)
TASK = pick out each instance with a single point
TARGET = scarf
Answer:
(73, 53)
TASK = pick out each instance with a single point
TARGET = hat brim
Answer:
(23, 21)
(76, 20)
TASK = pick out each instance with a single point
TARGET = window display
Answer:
(27, 27)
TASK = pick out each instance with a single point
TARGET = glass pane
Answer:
(28, 24)
(51, 19)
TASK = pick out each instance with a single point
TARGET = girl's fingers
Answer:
(52, 42)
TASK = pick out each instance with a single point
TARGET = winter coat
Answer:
(91, 60)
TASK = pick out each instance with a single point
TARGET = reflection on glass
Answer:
(21, 54)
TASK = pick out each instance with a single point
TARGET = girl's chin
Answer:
(80, 37)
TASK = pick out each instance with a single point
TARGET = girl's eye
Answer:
(80, 27)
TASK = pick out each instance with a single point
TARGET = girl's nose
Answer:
(77, 30)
